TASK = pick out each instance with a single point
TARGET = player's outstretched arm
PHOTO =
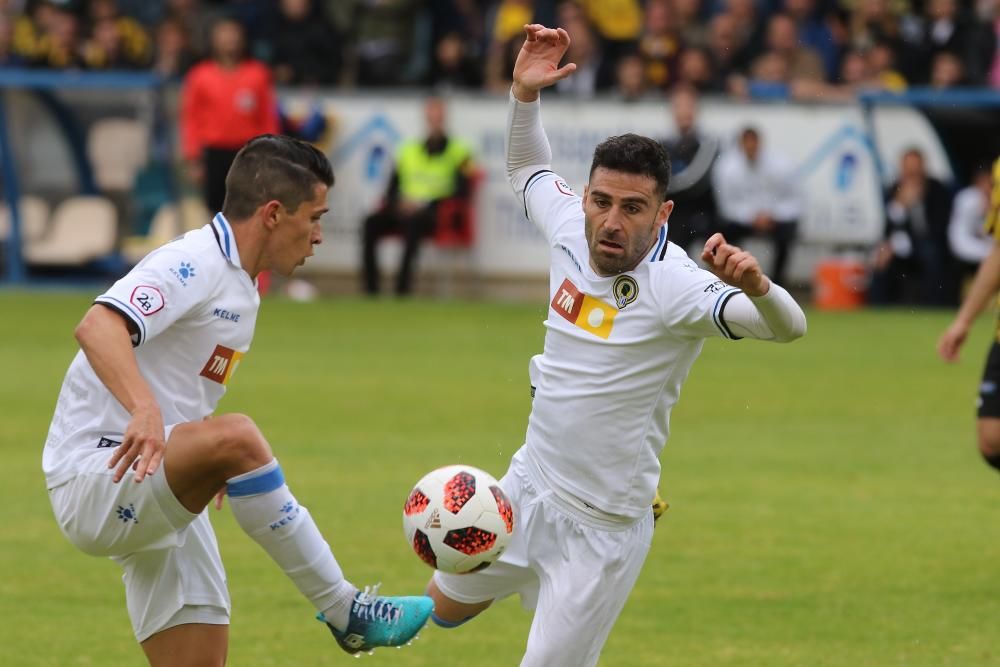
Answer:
(765, 310)
(104, 337)
(537, 64)
(984, 286)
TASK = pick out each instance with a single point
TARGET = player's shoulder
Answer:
(194, 254)
(676, 271)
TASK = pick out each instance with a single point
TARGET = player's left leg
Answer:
(988, 412)
(587, 573)
(191, 645)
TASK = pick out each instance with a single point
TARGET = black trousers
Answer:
(217, 163)
(781, 235)
(413, 228)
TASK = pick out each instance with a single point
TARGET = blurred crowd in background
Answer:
(825, 49)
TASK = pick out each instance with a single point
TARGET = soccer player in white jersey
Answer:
(628, 316)
(157, 351)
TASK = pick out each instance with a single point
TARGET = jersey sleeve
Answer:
(693, 300)
(164, 287)
(549, 203)
(993, 209)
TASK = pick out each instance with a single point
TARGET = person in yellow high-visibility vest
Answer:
(427, 171)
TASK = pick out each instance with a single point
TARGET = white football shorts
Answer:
(575, 570)
(173, 572)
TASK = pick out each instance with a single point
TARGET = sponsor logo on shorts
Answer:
(590, 314)
(221, 365)
(147, 300)
(127, 514)
(106, 442)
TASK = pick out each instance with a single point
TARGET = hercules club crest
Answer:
(626, 290)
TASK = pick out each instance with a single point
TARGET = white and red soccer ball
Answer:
(458, 519)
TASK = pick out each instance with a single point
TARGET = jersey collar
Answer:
(659, 250)
(226, 239)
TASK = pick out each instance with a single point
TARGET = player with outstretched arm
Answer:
(628, 315)
(984, 287)
(157, 351)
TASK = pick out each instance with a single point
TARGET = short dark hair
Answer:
(273, 167)
(634, 154)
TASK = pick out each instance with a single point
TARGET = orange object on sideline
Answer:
(840, 284)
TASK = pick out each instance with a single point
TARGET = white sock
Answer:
(268, 512)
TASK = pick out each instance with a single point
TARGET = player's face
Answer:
(298, 231)
(623, 214)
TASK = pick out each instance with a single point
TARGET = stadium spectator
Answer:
(750, 32)
(694, 69)
(116, 41)
(382, 43)
(585, 51)
(427, 171)
(8, 56)
(692, 156)
(225, 101)
(618, 25)
(454, 66)
(659, 44)
(724, 46)
(757, 194)
(814, 33)
(305, 48)
(630, 80)
(58, 42)
(913, 264)
(174, 55)
(799, 62)
(688, 23)
(946, 71)
(967, 237)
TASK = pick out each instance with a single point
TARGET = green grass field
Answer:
(828, 505)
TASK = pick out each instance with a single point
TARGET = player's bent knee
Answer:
(242, 439)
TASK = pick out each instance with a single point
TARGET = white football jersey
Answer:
(617, 350)
(195, 309)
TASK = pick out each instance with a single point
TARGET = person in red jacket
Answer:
(226, 100)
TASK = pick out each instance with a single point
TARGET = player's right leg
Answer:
(230, 452)
(988, 430)
(191, 645)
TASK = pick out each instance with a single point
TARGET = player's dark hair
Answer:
(634, 154)
(273, 167)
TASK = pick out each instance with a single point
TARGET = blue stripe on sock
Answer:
(269, 481)
(447, 624)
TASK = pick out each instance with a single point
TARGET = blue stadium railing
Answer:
(44, 84)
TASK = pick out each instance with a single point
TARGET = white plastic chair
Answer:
(118, 148)
(166, 226)
(83, 229)
(34, 219)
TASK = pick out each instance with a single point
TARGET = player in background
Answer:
(628, 315)
(984, 286)
(157, 351)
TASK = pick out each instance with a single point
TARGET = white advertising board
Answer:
(829, 144)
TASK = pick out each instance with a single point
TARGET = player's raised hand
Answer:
(952, 340)
(142, 446)
(735, 266)
(537, 64)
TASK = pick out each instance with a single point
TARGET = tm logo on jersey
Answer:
(590, 314)
(221, 365)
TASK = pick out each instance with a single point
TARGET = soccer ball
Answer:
(458, 519)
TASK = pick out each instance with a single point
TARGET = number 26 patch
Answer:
(147, 300)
